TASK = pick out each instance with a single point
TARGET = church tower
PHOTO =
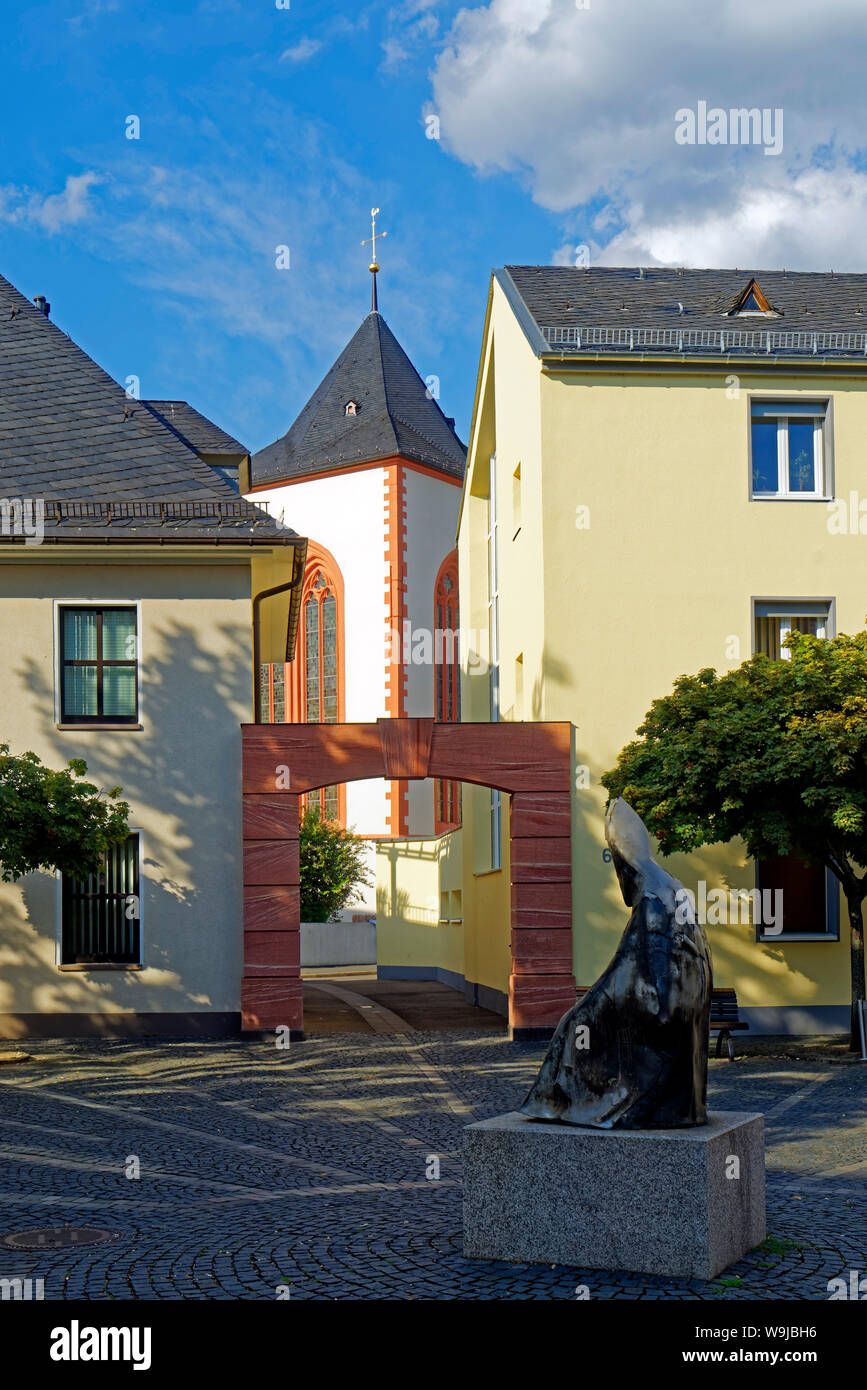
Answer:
(371, 471)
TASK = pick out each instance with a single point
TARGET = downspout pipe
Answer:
(257, 600)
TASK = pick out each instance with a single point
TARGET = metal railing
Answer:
(156, 510)
(757, 340)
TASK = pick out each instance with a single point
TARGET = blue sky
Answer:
(264, 126)
(259, 127)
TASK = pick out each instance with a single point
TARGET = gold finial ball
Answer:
(373, 267)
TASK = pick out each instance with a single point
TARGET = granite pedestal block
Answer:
(658, 1201)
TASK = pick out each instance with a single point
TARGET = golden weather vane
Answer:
(371, 241)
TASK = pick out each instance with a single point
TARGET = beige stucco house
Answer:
(133, 579)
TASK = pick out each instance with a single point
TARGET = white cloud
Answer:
(413, 24)
(814, 223)
(54, 211)
(394, 53)
(579, 105)
(302, 51)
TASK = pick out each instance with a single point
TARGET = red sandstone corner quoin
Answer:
(532, 762)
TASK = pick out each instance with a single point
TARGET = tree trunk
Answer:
(856, 923)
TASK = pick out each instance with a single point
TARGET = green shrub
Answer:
(54, 820)
(332, 867)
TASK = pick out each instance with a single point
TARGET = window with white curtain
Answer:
(774, 620)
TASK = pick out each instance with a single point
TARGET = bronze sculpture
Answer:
(632, 1052)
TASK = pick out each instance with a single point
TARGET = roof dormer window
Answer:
(752, 302)
(351, 408)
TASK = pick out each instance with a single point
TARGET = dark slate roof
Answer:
(104, 466)
(395, 416)
(662, 310)
(195, 429)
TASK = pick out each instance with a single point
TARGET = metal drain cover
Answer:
(57, 1238)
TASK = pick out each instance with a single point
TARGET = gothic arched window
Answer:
(320, 651)
(320, 674)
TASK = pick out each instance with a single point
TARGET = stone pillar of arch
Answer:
(532, 762)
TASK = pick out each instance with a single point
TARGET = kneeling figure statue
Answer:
(633, 1051)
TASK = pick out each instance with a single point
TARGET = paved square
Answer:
(315, 1166)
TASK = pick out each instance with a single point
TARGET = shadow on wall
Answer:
(553, 671)
(393, 904)
(182, 778)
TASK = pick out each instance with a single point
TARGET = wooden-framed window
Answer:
(100, 915)
(98, 664)
(447, 689)
(753, 301)
(788, 449)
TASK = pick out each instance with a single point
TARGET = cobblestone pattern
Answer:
(307, 1168)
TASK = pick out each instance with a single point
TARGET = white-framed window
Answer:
(100, 916)
(774, 619)
(788, 449)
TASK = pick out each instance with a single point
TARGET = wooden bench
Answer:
(725, 1020)
(724, 1017)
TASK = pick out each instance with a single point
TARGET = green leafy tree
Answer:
(774, 752)
(54, 820)
(332, 867)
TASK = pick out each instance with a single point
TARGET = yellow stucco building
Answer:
(665, 473)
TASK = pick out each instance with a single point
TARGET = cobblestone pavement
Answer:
(308, 1166)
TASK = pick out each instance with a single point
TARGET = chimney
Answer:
(42, 304)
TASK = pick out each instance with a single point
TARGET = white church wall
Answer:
(344, 512)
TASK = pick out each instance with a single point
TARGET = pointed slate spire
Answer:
(371, 405)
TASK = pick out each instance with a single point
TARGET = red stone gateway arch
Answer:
(530, 761)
